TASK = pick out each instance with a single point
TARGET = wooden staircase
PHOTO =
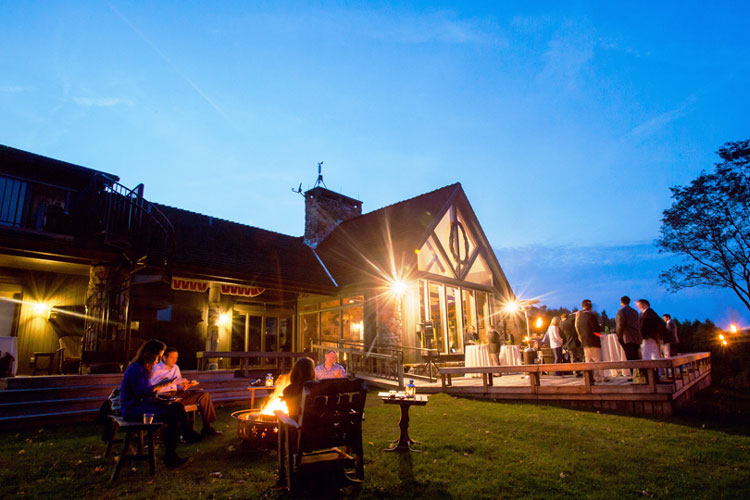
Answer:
(27, 401)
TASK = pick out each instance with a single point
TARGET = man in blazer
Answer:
(651, 330)
(587, 325)
(628, 329)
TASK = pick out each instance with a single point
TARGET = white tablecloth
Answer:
(612, 351)
(510, 355)
(477, 355)
(9, 344)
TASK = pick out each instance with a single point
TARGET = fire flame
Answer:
(274, 401)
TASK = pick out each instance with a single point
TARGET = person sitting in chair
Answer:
(330, 369)
(303, 370)
(137, 398)
(167, 369)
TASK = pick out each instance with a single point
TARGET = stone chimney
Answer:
(324, 210)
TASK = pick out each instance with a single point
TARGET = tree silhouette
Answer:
(708, 225)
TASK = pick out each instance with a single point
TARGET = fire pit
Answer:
(257, 428)
(260, 427)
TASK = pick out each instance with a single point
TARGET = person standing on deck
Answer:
(628, 329)
(571, 342)
(588, 328)
(670, 340)
(651, 328)
(495, 342)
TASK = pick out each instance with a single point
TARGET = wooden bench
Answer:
(131, 428)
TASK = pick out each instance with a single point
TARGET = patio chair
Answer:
(327, 435)
(72, 346)
(46, 362)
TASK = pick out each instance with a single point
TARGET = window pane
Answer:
(484, 313)
(310, 333)
(310, 307)
(430, 259)
(254, 324)
(330, 325)
(422, 317)
(469, 314)
(436, 315)
(270, 335)
(451, 301)
(285, 334)
(479, 272)
(353, 322)
(238, 331)
(330, 303)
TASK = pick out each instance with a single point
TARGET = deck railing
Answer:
(379, 361)
(678, 373)
(256, 359)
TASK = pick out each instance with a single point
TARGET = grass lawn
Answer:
(472, 449)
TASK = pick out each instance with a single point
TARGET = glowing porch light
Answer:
(511, 307)
(724, 342)
(398, 287)
(539, 322)
(41, 309)
(733, 328)
(224, 319)
(721, 337)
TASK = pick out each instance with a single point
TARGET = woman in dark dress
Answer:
(137, 396)
(303, 370)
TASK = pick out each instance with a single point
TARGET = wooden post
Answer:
(588, 379)
(651, 378)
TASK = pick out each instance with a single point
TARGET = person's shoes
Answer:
(174, 460)
(192, 437)
(210, 431)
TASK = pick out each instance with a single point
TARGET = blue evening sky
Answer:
(566, 122)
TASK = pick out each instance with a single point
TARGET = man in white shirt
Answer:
(330, 369)
(167, 368)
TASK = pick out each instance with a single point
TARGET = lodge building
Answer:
(90, 269)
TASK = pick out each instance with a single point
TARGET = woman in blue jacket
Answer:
(137, 396)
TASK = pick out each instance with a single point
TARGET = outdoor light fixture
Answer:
(721, 337)
(398, 287)
(224, 319)
(724, 342)
(539, 322)
(511, 307)
(41, 309)
(733, 328)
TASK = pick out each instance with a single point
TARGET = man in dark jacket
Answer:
(571, 343)
(587, 325)
(670, 340)
(651, 330)
(628, 329)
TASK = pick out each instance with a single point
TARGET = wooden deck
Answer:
(681, 376)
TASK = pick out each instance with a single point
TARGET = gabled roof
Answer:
(263, 258)
(383, 238)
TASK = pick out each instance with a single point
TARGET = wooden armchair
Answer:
(327, 434)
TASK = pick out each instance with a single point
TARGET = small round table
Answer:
(404, 441)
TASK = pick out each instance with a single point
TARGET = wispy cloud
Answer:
(655, 124)
(102, 102)
(13, 89)
(565, 60)
(440, 28)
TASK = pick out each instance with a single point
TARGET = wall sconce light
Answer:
(398, 287)
(224, 319)
(41, 309)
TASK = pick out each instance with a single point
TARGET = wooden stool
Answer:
(131, 428)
